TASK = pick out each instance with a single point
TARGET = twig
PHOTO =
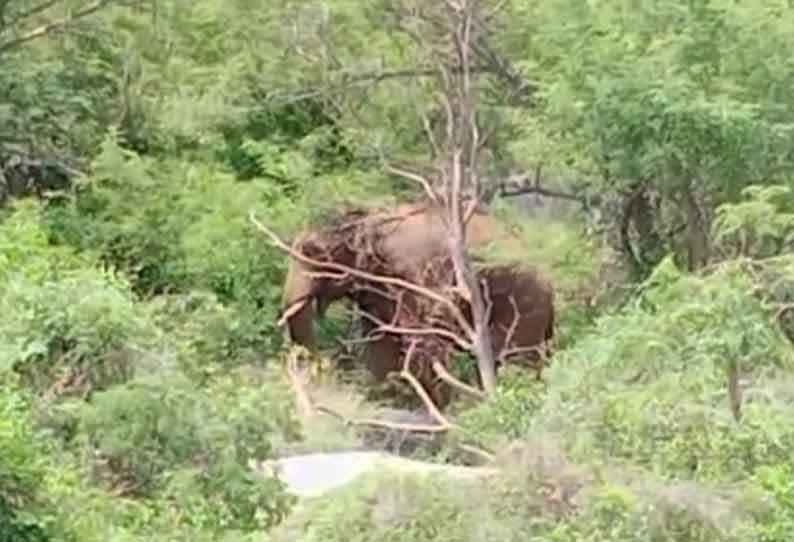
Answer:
(782, 311)
(421, 180)
(391, 328)
(43, 30)
(291, 311)
(420, 390)
(444, 375)
(522, 185)
(511, 330)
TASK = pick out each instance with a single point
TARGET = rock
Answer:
(314, 475)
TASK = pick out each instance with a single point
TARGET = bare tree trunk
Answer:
(463, 158)
(696, 232)
(482, 346)
(451, 30)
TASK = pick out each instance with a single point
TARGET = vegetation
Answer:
(643, 151)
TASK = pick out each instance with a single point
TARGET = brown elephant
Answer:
(401, 244)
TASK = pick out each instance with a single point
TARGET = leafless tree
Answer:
(448, 32)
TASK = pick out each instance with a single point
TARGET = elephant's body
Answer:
(404, 243)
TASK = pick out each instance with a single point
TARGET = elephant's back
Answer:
(417, 233)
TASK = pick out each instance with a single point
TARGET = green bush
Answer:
(403, 508)
(651, 384)
(22, 470)
(67, 323)
(776, 521)
(509, 412)
(204, 336)
(128, 213)
(163, 438)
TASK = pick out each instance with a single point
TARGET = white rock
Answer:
(313, 475)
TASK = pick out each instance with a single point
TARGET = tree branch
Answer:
(46, 29)
(366, 79)
(420, 390)
(390, 328)
(522, 184)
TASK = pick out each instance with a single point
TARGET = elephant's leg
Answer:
(522, 316)
(383, 356)
(386, 355)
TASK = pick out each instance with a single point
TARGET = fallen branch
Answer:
(479, 452)
(366, 422)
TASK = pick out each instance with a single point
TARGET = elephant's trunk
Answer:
(298, 305)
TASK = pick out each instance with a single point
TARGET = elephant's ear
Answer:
(312, 247)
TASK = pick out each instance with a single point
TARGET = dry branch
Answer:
(419, 389)
(291, 311)
(48, 28)
(367, 422)
(398, 330)
(511, 330)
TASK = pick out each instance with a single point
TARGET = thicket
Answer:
(139, 354)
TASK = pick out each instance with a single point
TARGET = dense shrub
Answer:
(21, 470)
(68, 325)
(410, 508)
(651, 383)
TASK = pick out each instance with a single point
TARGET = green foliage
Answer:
(778, 520)
(151, 424)
(139, 307)
(656, 390)
(758, 226)
(390, 507)
(66, 320)
(393, 507)
(508, 413)
(21, 469)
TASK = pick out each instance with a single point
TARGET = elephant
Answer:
(405, 240)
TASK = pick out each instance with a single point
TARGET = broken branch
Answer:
(420, 390)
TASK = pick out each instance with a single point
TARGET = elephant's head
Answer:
(309, 291)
